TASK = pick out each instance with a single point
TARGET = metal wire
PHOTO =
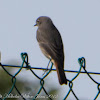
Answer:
(25, 62)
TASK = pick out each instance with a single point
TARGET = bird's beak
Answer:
(35, 25)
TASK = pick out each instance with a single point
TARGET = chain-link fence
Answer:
(25, 64)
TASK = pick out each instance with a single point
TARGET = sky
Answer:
(78, 22)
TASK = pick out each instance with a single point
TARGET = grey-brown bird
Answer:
(51, 45)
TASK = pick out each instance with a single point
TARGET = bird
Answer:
(51, 45)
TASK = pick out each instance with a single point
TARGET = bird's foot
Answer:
(45, 71)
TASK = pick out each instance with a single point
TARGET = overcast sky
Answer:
(79, 24)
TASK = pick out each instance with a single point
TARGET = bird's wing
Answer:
(51, 51)
(51, 44)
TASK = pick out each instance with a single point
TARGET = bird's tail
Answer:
(60, 72)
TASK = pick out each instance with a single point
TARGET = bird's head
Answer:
(42, 20)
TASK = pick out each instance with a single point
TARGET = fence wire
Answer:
(25, 64)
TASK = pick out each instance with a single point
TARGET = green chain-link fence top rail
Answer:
(24, 57)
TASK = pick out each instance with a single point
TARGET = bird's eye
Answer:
(37, 20)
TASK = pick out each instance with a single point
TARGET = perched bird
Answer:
(51, 45)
